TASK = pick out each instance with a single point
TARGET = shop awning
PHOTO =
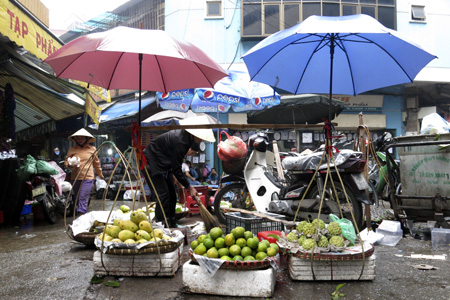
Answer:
(124, 108)
(40, 96)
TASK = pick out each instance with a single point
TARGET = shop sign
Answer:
(92, 109)
(22, 30)
(98, 91)
(361, 102)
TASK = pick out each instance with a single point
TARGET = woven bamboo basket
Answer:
(335, 256)
(164, 247)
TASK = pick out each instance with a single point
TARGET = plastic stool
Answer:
(192, 204)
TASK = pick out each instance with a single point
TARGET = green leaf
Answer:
(96, 279)
(112, 283)
(339, 286)
(277, 237)
(438, 136)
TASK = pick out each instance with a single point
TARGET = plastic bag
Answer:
(28, 168)
(232, 148)
(348, 231)
(44, 167)
(74, 161)
(434, 124)
(59, 178)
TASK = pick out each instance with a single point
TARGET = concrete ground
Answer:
(39, 261)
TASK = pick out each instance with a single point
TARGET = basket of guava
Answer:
(239, 249)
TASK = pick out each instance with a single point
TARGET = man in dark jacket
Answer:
(165, 156)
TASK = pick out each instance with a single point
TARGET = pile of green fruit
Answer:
(238, 245)
(136, 230)
(310, 235)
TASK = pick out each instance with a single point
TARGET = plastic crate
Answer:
(27, 209)
(253, 223)
(202, 189)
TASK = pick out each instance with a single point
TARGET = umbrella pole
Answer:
(140, 88)
(331, 74)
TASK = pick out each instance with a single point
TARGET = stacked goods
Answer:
(238, 245)
(315, 236)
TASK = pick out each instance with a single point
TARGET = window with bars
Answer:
(261, 18)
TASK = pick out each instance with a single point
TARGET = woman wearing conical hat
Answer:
(85, 180)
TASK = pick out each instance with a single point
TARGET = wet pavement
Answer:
(40, 261)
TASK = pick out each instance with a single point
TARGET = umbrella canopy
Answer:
(110, 59)
(235, 91)
(307, 108)
(345, 55)
(173, 117)
(136, 59)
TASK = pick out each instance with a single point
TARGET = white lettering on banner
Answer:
(227, 98)
(205, 109)
(361, 102)
(179, 94)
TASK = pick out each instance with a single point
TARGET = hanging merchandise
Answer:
(7, 107)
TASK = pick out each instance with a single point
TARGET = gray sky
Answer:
(65, 12)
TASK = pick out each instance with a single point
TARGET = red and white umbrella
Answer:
(139, 59)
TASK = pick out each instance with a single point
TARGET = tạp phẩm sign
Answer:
(24, 31)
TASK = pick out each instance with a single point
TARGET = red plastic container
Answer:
(202, 189)
(192, 204)
(264, 235)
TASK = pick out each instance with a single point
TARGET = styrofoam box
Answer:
(301, 269)
(440, 238)
(165, 264)
(229, 282)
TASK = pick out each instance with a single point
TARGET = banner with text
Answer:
(92, 109)
(361, 102)
(25, 32)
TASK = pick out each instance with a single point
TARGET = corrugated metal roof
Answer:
(40, 96)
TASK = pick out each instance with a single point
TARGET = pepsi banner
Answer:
(214, 96)
(186, 94)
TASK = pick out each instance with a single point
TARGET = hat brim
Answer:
(82, 132)
(204, 134)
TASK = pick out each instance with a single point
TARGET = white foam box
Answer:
(228, 282)
(150, 265)
(301, 269)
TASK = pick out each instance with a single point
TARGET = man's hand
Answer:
(192, 191)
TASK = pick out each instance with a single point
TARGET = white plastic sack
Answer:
(128, 195)
(100, 183)
(434, 124)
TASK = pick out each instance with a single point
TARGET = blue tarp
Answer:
(124, 109)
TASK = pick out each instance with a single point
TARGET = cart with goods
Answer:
(221, 262)
(424, 193)
(319, 251)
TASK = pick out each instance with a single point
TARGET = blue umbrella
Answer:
(235, 91)
(346, 55)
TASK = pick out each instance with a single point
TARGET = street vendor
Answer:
(165, 156)
(77, 157)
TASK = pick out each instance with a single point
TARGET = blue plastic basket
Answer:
(26, 209)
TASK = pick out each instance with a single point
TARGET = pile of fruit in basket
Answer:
(315, 236)
(136, 230)
(238, 245)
